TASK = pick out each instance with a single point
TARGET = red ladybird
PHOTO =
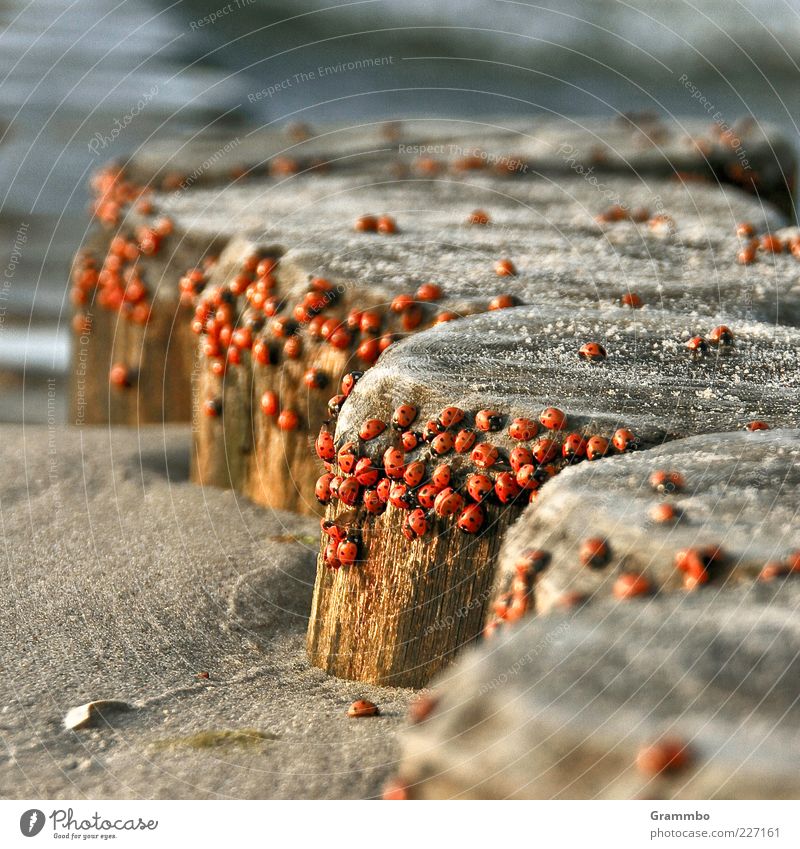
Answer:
(323, 488)
(370, 322)
(504, 268)
(530, 478)
(371, 429)
(120, 376)
(442, 443)
(544, 450)
(426, 495)
(410, 440)
(324, 445)
(553, 418)
(471, 519)
(373, 503)
(368, 351)
(212, 407)
(365, 473)
(414, 474)
(489, 421)
(484, 456)
(348, 492)
(664, 481)
(366, 224)
(502, 302)
(520, 456)
(624, 440)
(464, 441)
(382, 489)
(596, 447)
(523, 430)
(451, 416)
(441, 476)
(349, 382)
(347, 456)
(335, 405)
(404, 416)
(429, 292)
(594, 552)
(448, 502)
(270, 403)
(697, 346)
(315, 379)
(573, 447)
(593, 352)
(506, 487)
(288, 420)
(347, 551)
(399, 496)
(394, 462)
(632, 300)
(431, 430)
(479, 486)
(757, 425)
(417, 522)
(721, 335)
(330, 559)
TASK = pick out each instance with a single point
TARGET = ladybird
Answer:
(404, 416)
(479, 486)
(365, 473)
(417, 522)
(465, 439)
(394, 462)
(451, 416)
(663, 481)
(592, 352)
(553, 418)
(348, 492)
(663, 514)
(371, 429)
(504, 268)
(596, 447)
(697, 346)
(120, 376)
(757, 425)
(213, 407)
(445, 316)
(624, 440)
(502, 302)
(347, 456)
(400, 303)
(329, 557)
(322, 488)
(386, 225)
(414, 474)
(533, 561)
(399, 496)
(573, 447)
(694, 563)
(745, 230)
(668, 755)
(347, 551)
(431, 430)
(340, 338)
(324, 445)
(448, 502)
(349, 382)
(382, 489)
(332, 530)
(411, 318)
(429, 292)
(315, 379)
(506, 487)
(335, 405)
(366, 224)
(410, 440)
(520, 456)
(489, 421)
(773, 569)
(594, 552)
(544, 451)
(478, 216)
(368, 351)
(629, 585)
(426, 495)
(441, 476)
(746, 255)
(523, 430)
(288, 420)
(370, 322)
(721, 335)
(373, 503)
(771, 244)
(471, 519)
(422, 707)
(631, 300)
(442, 443)
(484, 456)
(530, 478)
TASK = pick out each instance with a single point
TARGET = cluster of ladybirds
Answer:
(720, 338)
(112, 192)
(768, 244)
(418, 473)
(619, 212)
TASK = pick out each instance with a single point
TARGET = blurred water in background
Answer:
(70, 72)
